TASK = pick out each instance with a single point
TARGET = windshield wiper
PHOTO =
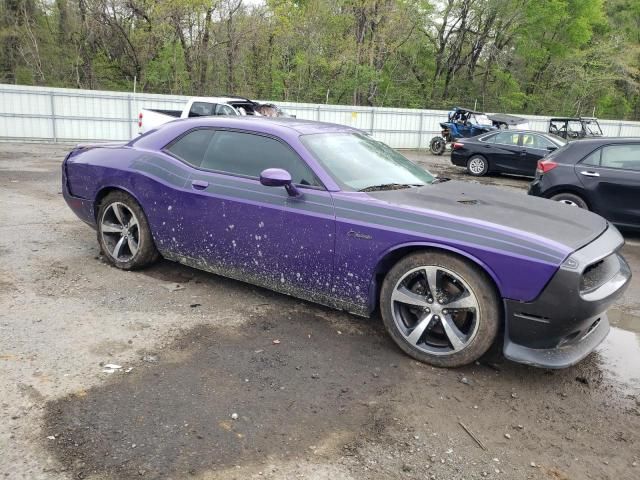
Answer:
(389, 186)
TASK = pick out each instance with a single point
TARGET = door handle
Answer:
(588, 173)
(199, 184)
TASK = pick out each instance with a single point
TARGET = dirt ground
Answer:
(204, 392)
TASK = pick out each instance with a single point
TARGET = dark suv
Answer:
(599, 174)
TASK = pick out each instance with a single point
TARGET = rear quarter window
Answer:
(560, 151)
(593, 158)
(192, 147)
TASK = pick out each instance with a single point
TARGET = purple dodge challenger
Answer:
(326, 213)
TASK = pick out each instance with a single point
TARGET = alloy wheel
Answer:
(476, 166)
(120, 232)
(435, 310)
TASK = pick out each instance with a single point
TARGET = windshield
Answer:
(358, 162)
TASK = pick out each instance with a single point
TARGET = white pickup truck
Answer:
(149, 118)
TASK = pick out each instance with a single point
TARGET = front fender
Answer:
(395, 252)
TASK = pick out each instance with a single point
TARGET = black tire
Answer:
(570, 199)
(477, 166)
(437, 146)
(489, 313)
(146, 252)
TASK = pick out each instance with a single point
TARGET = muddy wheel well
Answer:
(391, 258)
(100, 196)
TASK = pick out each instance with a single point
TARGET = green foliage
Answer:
(167, 71)
(522, 56)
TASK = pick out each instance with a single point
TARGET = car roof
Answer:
(468, 110)
(504, 117)
(577, 119)
(606, 140)
(274, 124)
(283, 127)
(219, 99)
(516, 130)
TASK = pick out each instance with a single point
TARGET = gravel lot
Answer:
(205, 393)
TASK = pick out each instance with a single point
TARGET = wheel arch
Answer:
(106, 190)
(573, 190)
(391, 256)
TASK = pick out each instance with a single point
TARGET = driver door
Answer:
(243, 229)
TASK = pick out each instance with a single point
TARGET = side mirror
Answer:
(277, 177)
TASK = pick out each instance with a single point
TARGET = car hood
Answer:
(562, 224)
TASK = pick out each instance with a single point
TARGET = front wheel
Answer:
(437, 145)
(440, 309)
(123, 232)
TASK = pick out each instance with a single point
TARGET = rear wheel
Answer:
(440, 309)
(571, 199)
(123, 232)
(477, 166)
(437, 145)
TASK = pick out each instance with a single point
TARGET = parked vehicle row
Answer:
(598, 174)
(464, 123)
(325, 213)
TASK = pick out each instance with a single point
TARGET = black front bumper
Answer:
(568, 319)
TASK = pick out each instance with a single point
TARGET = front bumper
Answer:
(568, 319)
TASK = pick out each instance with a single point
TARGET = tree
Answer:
(523, 56)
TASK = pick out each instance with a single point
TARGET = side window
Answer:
(223, 109)
(507, 138)
(593, 158)
(202, 109)
(248, 154)
(626, 157)
(192, 147)
(489, 139)
(536, 141)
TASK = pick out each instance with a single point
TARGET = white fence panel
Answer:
(68, 115)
